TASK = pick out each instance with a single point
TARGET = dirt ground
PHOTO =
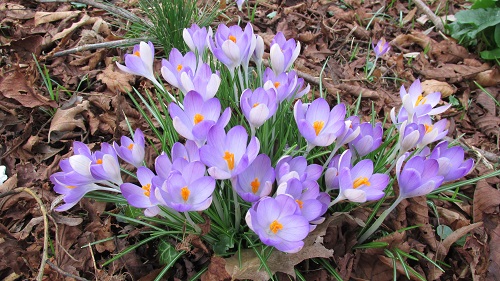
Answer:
(36, 132)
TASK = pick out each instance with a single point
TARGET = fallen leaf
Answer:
(216, 270)
(14, 86)
(486, 200)
(489, 77)
(116, 80)
(67, 120)
(45, 17)
(431, 86)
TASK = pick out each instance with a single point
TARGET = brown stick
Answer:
(64, 273)
(428, 12)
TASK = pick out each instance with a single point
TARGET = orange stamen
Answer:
(147, 189)
(70, 186)
(229, 157)
(232, 38)
(300, 202)
(275, 226)
(276, 84)
(428, 128)
(198, 118)
(185, 192)
(179, 67)
(255, 104)
(99, 161)
(318, 126)
(420, 100)
(255, 184)
(130, 146)
(360, 181)
(137, 53)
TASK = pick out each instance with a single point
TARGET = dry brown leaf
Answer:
(14, 86)
(45, 17)
(279, 261)
(410, 15)
(453, 72)
(431, 86)
(486, 200)
(216, 270)
(72, 28)
(9, 184)
(420, 216)
(455, 235)
(488, 78)
(116, 81)
(404, 40)
(66, 119)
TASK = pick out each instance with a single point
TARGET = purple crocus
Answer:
(279, 223)
(319, 125)
(188, 189)
(177, 64)
(196, 39)
(381, 48)
(360, 184)
(140, 62)
(105, 166)
(227, 155)
(142, 196)
(410, 136)
(297, 167)
(451, 161)
(258, 52)
(256, 181)
(283, 53)
(203, 81)
(188, 151)
(419, 176)
(288, 85)
(198, 117)
(132, 151)
(337, 164)
(369, 138)
(239, 3)
(258, 106)
(72, 193)
(433, 132)
(233, 46)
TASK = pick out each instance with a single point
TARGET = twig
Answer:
(428, 12)
(64, 273)
(107, 7)
(111, 44)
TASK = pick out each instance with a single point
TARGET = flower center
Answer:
(300, 202)
(137, 53)
(179, 67)
(147, 189)
(428, 128)
(318, 126)
(276, 84)
(99, 161)
(185, 192)
(198, 118)
(275, 226)
(130, 146)
(360, 181)
(70, 186)
(255, 184)
(255, 104)
(229, 158)
(420, 100)
(232, 38)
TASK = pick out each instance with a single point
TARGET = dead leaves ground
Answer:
(36, 133)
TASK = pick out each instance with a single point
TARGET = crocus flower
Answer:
(338, 163)
(317, 124)
(233, 46)
(142, 196)
(256, 181)
(188, 189)
(72, 193)
(307, 199)
(188, 151)
(105, 166)
(140, 62)
(418, 177)
(163, 167)
(279, 223)
(198, 117)
(3, 176)
(288, 85)
(132, 151)
(196, 39)
(415, 104)
(369, 138)
(239, 3)
(360, 184)
(433, 132)
(258, 106)
(381, 48)
(283, 53)
(258, 52)
(203, 81)
(451, 161)
(297, 167)
(410, 135)
(177, 64)
(228, 155)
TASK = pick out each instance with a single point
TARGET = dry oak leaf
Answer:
(66, 119)
(14, 86)
(486, 200)
(45, 17)
(116, 80)
(431, 86)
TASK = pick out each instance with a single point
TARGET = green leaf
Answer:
(483, 4)
(166, 252)
(497, 35)
(224, 244)
(443, 231)
(470, 22)
(490, 54)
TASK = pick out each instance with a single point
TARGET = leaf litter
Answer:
(32, 142)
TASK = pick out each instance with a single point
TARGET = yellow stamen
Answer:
(318, 126)
(232, 38)
(255, 184)
(428, 128)
(420, 100)
(275, 226)
(229, 157)
(360, 181)
(147, 189)
(276, 84)
(255, 104)
(179, 67)
(301, 203)
(70, 186)
(130, 146)
(137, 53)
(99, 161)
(198, 118)
(185, 192)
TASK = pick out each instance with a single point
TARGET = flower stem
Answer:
(237, 211)
(373, 68)
(379, 221)
(331, 156)
(191, 222)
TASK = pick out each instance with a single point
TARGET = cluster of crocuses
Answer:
(287, 199)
